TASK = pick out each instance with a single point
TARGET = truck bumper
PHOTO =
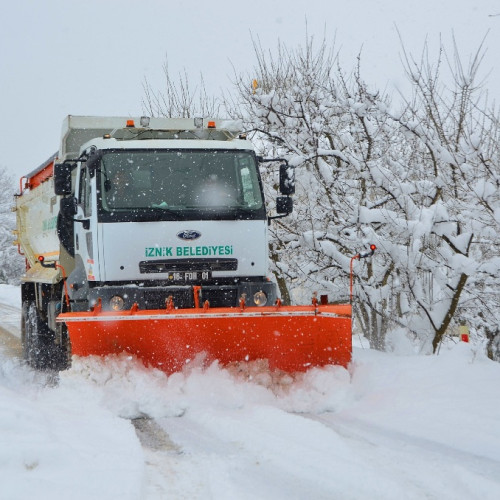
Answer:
(183, 296)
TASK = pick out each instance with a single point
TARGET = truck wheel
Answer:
(39, 350)
(62, 355)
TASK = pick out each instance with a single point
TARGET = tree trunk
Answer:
(438, 336)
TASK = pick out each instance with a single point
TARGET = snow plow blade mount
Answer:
(291, 338)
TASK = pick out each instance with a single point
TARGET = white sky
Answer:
(60, 57)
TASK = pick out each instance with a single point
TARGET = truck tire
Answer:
(39, 348)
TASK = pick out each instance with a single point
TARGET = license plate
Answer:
(189, 276)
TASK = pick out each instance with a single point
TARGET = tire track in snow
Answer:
(375, 435)
(153, 436)
(168, 471)
(419, 453)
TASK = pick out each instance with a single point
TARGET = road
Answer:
(389, 428)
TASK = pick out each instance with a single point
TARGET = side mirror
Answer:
(284, 205)
(287, 180)
(93, 160)
(62, 178)
(67, 207)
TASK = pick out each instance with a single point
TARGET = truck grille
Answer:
(156, 299)
(183, 298)
(221, 297)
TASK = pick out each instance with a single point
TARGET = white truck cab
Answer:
(150, 212)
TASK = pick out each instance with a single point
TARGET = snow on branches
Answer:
(421, 183)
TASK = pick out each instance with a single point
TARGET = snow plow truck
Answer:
(149, 236)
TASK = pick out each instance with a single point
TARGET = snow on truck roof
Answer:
(165, 144)
(79, 130)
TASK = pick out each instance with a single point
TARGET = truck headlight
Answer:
(116, 303)
(260, 298)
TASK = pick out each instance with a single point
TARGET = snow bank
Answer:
(243, 433)
(58, 443)
(394, 425)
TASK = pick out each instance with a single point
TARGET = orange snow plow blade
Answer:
(291, 338)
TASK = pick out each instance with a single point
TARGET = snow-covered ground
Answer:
(390, 427)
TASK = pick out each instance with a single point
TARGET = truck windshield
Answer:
(152, 185)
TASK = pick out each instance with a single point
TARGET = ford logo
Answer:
(188, 234)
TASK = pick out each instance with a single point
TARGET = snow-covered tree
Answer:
(333, 130)
(421, 183)
(451, 268)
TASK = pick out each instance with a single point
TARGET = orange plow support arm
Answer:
(291, 338)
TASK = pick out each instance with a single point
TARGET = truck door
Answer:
(85, 244)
